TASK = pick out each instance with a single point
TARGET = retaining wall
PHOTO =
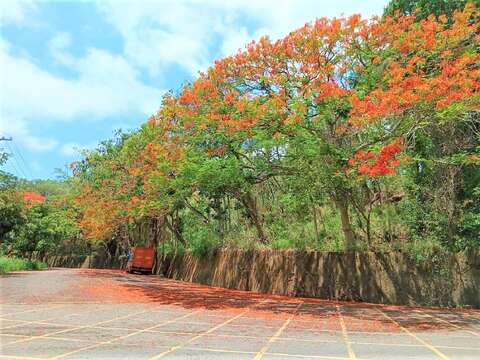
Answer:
(444, 279)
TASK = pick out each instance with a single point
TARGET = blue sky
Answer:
(73, 72)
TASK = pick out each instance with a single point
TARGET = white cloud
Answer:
(16, 12)
(234, 40)
(18, 129)
(57, 47)
(105, 85)
(60, 41)
(159, 33)
(156, 35)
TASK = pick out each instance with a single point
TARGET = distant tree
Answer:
(11, 207)
(48, 188)
(424, 8)
(45, 229)
(7, 180)
(12, 213)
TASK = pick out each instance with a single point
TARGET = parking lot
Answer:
(107, 314)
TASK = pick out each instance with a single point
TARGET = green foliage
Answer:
(48, 188)
(12, 212)
(26, 227)
(44, 231)
(424, 8)
(7, 180)
(171, 248)
(201, 238)
(9, 264)
(334, 138)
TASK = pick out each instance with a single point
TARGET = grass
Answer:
(8, 264)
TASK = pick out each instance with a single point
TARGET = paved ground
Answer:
(106, 314)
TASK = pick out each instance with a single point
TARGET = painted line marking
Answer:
(40, 322)
(47, 320)
(270, 353)
(177, 347)
(124, 336)
(20, 357)
(448, 322)
(51, 337)
(351, 353)
(311, 356)
(219, 350)
(216, 327)
(427, 345)
(33, 310)
(277, 334)
(79, 327)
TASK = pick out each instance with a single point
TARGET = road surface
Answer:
(107, 314)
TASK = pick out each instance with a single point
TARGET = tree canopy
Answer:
(346, 134)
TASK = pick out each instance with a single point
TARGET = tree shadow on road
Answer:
(316, 313)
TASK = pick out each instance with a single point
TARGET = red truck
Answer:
(141, 260)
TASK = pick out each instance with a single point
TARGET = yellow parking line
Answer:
(414, 345)
(42, 322)
(219, 350)
(27, 322)
(275, 336)
(20, 357)
(50, 337)
(37, 322)
(123, 337)
(310, 356)
(427, 345)
(306, 340)
(79, 327)
(175, 348)
(239, 337)
(14, 335)
(351, 353)
(70, 339)
(32, 310)
(448, 322)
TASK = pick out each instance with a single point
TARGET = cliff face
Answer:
(444, 279)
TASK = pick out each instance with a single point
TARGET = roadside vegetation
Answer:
(33, 218)
(345, 135)
(9, 264)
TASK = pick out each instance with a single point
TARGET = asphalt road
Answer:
(107, 314)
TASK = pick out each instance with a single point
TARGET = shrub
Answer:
(8, 264)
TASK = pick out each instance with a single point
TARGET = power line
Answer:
(22, 159)
(23, 173)
(4, 149)
(23, 167)
(13, 167)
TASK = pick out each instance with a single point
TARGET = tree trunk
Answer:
(342, 206)
(250, 205)
(315, 223)
(175, 227)
(451, 200)
(158, 224)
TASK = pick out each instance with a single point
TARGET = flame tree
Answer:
(343, 125)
